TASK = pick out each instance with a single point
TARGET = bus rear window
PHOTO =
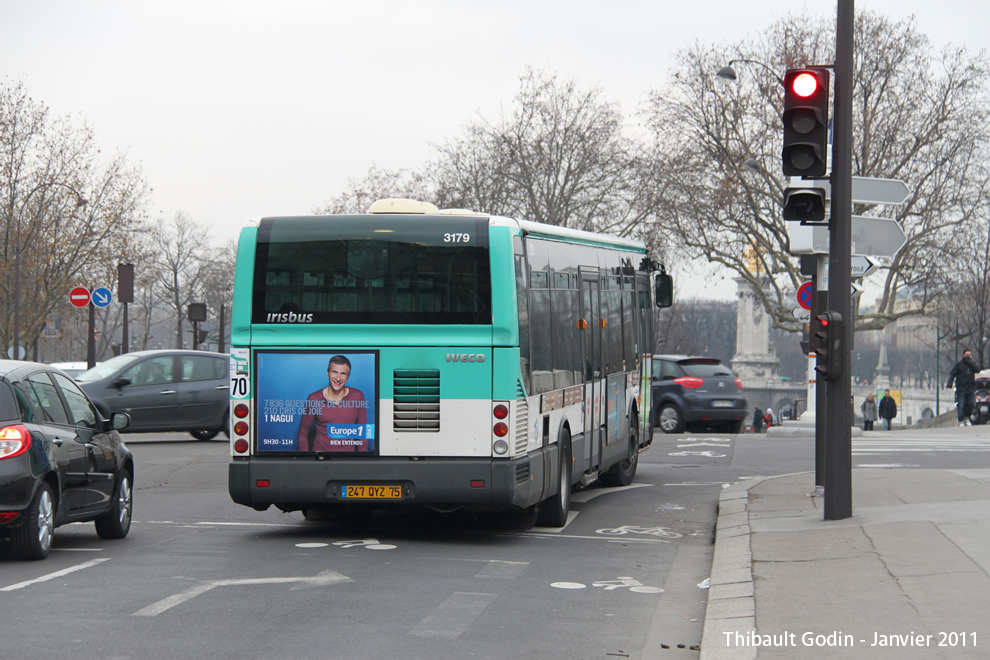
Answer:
(372, 269)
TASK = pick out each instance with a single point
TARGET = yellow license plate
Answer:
(365, 492)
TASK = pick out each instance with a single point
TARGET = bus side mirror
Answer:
(664, 290)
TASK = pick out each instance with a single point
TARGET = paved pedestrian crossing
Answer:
(892, 444)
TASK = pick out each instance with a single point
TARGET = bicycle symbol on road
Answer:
(367, 544)
(611, 585)
(662, 532)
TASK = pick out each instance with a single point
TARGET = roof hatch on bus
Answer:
(398, 205)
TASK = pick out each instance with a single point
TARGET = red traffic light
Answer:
(804, 85)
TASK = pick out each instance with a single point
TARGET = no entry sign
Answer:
(79, 296)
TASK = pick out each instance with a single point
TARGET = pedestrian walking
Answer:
(964, 374)
(769, 418)
(869, 410)
(757, 420)
(887, 409)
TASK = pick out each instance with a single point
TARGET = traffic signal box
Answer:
(828, 345)
(805, 122)
(806, 205)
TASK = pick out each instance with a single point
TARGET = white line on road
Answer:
(323, 578)
(453, 616)
(56, 574)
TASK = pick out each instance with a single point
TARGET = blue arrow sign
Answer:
(102, 297)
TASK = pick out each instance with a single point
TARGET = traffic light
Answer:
(805, 204)
(828, 344)
(805, 122)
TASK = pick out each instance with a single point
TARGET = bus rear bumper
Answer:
(292, 484)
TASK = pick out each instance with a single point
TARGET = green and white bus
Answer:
(448, 359)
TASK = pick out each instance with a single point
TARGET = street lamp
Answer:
(729, 74)
(80, 202)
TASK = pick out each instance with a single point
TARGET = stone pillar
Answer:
(754, 362)
(881, 379)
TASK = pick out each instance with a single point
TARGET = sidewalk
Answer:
(907, 576)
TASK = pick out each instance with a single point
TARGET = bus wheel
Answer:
(623, 472)
(554, 509)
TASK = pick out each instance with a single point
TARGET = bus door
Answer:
(591, 350)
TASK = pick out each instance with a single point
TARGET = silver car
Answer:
(164, 390)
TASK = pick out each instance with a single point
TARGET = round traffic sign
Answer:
(79, 296)
(804, 295)
(102, 297)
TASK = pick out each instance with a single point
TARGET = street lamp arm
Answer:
(728, 73)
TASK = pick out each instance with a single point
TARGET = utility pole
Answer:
(838, 443)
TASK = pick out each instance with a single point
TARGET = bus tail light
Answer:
(500, 412)
(241, 412)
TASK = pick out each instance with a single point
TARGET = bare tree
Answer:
(558, 156)
(698, 327)
(181, 265)
(377, 184)
(918, 116)
(65, 214)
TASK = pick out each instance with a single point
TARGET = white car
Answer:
(71, 369)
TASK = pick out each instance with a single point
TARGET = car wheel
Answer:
(116, 522)
(554, 509)
(670, 419)
(33, 539)
(204, 435)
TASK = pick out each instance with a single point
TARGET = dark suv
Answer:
(60, 460)
(692, 389)
(164, 390)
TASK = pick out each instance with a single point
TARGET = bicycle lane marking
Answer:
(56, 574)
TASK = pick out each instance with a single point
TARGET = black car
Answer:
(692, 389)
(60, 460)
(164, 390)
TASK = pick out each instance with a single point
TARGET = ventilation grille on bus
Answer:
(522, 419)
(416, 400)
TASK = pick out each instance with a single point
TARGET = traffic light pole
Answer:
(838, 443)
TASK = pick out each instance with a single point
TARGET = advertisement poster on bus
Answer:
(317, 401)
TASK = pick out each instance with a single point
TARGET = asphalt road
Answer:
(200, 576)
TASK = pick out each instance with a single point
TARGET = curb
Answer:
(731, 597)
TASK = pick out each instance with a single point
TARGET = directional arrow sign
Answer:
(102, 297)
(865, 189)
(879, 237)
(861, 265)
(868, 190)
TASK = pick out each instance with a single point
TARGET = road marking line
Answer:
(56, 574)
(453, 616)
(508, 570)
(323, 578)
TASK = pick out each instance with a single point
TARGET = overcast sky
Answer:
(238, 109)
